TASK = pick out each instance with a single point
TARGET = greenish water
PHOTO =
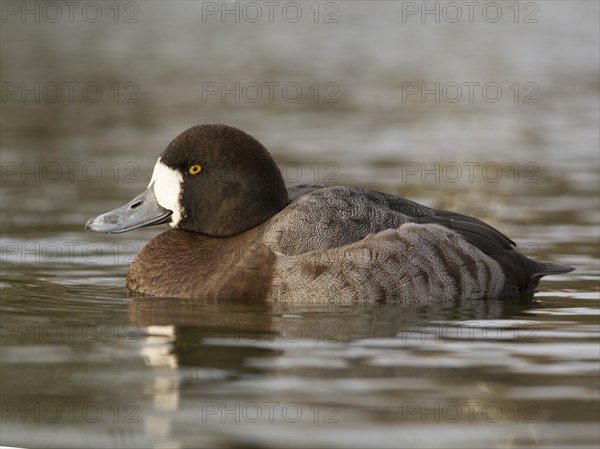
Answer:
(83, 365)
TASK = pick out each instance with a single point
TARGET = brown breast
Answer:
(187, 264)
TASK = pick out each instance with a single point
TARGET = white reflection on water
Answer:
(164, 387)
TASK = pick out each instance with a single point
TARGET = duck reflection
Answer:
(227, 335)
(205, 352)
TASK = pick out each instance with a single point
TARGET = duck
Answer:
(239, 234)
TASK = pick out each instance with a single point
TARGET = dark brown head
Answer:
(212, 179)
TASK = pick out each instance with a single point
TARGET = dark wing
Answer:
(526, 272)
(482, 235)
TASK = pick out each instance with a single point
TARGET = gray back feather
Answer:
(351, 244)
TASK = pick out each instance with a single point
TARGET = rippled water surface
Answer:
(83, 365)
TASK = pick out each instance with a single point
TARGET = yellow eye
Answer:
(195, 169)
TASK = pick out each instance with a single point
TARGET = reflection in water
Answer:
(225, 321)
(164, 387)
(244, 364)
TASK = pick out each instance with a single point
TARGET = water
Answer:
(83, 365)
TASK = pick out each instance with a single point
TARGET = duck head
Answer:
(213, 179)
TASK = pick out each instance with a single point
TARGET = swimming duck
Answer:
(238, 233)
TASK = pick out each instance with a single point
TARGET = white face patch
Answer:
(167, 190)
